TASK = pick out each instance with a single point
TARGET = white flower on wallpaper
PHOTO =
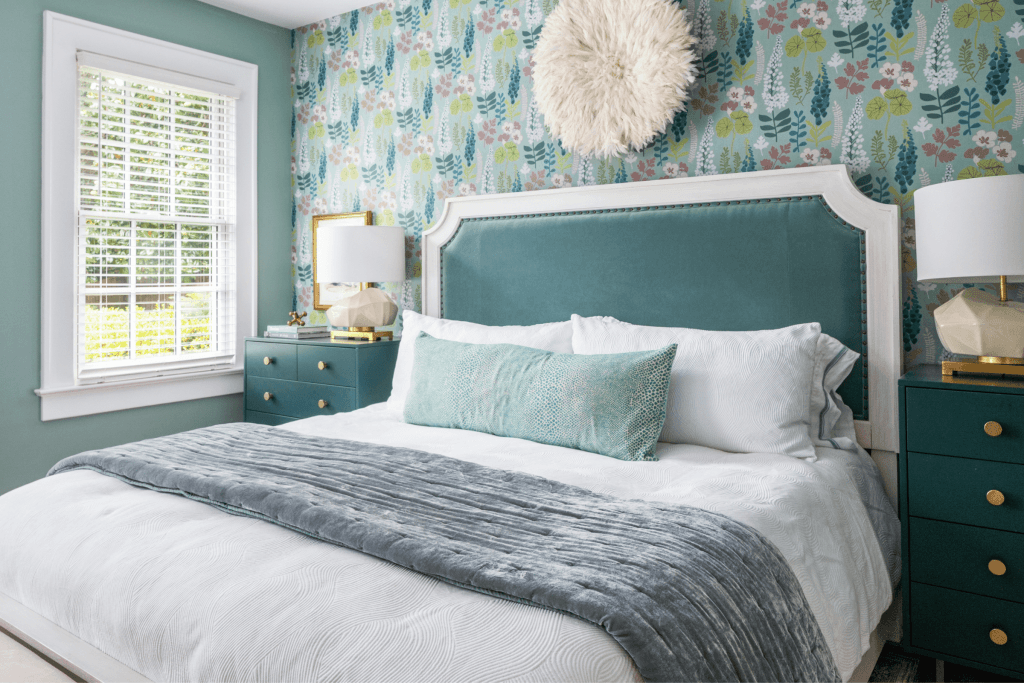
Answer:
(401, 105)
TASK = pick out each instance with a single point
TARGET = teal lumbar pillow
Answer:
(612, 404)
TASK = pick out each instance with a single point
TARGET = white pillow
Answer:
(832, 364)
(745, 392)
(555, 337)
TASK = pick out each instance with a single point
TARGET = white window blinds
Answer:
(156, 239)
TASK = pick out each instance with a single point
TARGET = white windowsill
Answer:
(89, 399)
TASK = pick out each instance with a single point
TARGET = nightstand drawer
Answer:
(338, 365)
(957, 490)
(267, 359)
(953, 423)
(959, 556)
(296, 399)
(961, 624)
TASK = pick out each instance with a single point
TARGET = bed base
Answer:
(62, 648)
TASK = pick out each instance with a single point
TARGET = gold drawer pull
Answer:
(322, 365)
(322, 403)
(267, 360)
(997, 567)
(993, 428)
(998, 636)
(995, 497)
(267, 396)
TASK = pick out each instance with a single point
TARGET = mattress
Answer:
(179, 590)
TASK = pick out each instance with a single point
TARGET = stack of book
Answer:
(295, 332)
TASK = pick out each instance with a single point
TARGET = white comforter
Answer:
(179, 590)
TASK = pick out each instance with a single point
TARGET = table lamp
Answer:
(972, 231)
(363, 254)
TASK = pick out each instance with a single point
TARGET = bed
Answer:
(133, 584)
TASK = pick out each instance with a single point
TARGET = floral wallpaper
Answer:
(406, 102)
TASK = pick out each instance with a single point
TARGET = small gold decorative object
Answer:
(321, 365)
(267, 396)
(322, 403)
(993, 428)
(998, 636)
(267, 360)
(997, 567)
(995, 497)
(368, 333)
(297, 318)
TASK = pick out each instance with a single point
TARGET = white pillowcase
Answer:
(745, 392)
(555, 337)
(833, 362)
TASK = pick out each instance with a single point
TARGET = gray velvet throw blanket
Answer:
(690, 595)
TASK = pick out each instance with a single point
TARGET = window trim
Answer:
(61, 396)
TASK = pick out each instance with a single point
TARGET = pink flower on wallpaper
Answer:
(1003, 152)
(530, 64)
(370, 199)
(467, 189)
(488, 131)
(561, 180)
(445, 188)
(537, 180)
(424, 41)
(335, 59)
(773, 23)
(425, 145)
(351, 60)
(335, 154)
(295, 255)
(387, 100)
(509, 19)
(306, 296)
(486, 23)
(444, 85)
(404, 42)
(351, 155)
(320, 206)
(511, 130)
(907, 82)
(305, 204)
(822, 21)
(302, 114)
(293, 165)
(319, 113)
(404, 144)
(644, 171)
(369, 102)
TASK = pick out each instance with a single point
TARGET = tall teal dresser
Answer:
(962, 511)
(288, 380)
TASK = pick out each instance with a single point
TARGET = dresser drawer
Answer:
(270, 419)
(338, 365)
(296, 399)
(956, 490)
(958, 556)
(266, 359)
(953, 423)
(959, 624)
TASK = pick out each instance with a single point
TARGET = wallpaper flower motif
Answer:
(407, 102)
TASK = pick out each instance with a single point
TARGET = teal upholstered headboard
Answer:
(709, 253)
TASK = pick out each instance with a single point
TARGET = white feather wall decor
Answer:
(611, 74)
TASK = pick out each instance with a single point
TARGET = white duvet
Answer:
(179, 590)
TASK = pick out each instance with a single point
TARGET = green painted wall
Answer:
(28, 447)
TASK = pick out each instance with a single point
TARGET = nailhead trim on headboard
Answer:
(814, 198)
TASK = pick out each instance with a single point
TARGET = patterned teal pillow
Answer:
(612, 404)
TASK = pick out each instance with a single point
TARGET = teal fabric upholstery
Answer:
(744, 265)
(612, 404)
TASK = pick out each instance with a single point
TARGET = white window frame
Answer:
(61, 395)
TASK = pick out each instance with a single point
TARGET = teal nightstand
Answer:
(288, 380)
(962, 511)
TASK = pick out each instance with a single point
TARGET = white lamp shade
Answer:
(971, 230)
(360, 253)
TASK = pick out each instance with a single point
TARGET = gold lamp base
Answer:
(366, 333)
(985, 365)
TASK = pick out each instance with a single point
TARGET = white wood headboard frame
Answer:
(880, 223)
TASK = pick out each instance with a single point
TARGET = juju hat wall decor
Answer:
(611, 74)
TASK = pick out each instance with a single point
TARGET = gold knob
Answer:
(322, 365)
(267, 360)
(993, 428)
(995, 497)
(322, 403)
(998, 636)
(997, 567)
(267, 396)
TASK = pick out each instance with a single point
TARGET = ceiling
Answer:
(289, 13)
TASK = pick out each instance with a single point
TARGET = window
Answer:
(156, 233)
(148, 220)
